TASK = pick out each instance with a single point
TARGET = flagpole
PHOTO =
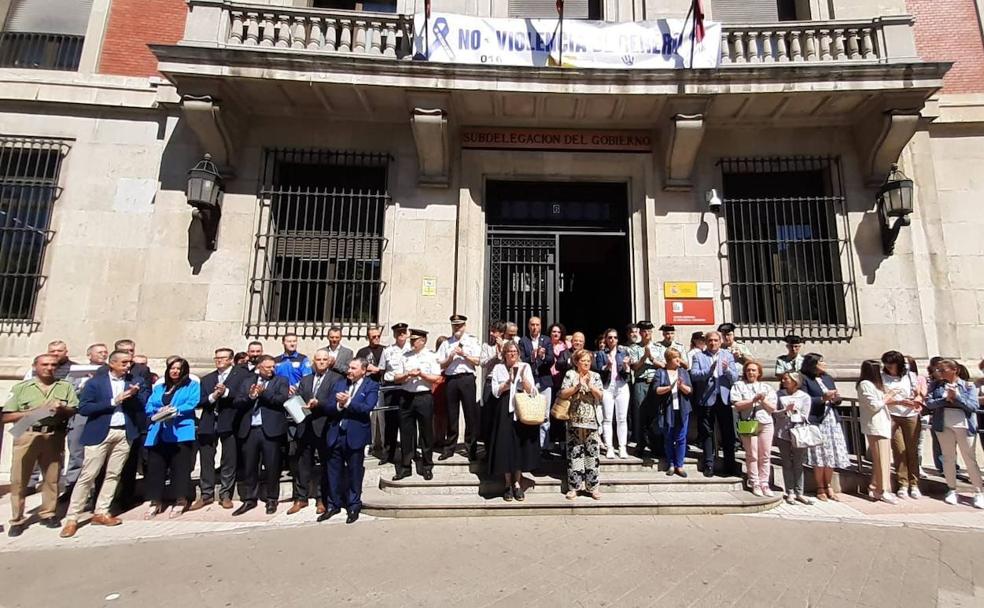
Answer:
(560, 50)
(427, 14)
(693, 31)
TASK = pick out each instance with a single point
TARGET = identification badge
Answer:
(296, 364)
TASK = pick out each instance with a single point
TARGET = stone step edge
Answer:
(662, 480)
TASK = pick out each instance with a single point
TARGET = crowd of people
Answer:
(544, 395)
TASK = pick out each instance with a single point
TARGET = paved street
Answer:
(504, 561)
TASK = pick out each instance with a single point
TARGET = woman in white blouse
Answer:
(876, 422)
(905, 405)
(792, 409)
(753, 399)
(514, 447)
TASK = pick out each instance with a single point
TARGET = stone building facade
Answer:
(351, 195)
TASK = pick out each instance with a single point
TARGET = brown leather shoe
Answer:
(200, 504)
(321, 507)
(226, 503)
(105, 520)
(297, 506)
(69, 530)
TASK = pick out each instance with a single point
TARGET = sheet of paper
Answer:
(295, 407)
(31, 418)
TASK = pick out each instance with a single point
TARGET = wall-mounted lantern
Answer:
(894, 202)
(714, 202)
(205, 195)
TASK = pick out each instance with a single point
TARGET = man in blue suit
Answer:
(113, 403)
(348, 434)
(713, 372)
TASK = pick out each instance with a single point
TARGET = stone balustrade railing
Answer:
(229, 24)
(836, 41)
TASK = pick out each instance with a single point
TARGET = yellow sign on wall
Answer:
(429, 286)
(687, 289)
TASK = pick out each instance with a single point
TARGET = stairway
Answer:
(631, 486)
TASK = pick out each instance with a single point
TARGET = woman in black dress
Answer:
(514, 447)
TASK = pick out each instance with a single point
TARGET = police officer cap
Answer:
(458, 319)
(793, 339)
(667, 327)
(399, 326)
(417, 333)
(726, 328)
(644, 325)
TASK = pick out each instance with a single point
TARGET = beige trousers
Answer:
(952, 439)
(46, 450)
(112, 453)
(881, 465)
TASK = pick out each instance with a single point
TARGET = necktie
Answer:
(317, 383)
(256, 404)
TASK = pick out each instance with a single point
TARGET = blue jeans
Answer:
(675, 440)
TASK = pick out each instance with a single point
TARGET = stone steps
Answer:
(459, 464)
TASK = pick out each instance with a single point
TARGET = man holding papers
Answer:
(315, 390)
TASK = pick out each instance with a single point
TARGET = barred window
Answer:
(319, 243)
(787, 249)
(28, 189)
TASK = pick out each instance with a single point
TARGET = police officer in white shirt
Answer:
(391, 393)
(459, 357)
(416, 374)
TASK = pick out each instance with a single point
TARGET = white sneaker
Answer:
(914, 493)
(623, 453)
(951, 497)
(902, 493)
(889, 499)
(610, 453)
(768, 491)
(979, 501)
(757, 491)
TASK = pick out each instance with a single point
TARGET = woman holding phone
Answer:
(755, 400)
(514, 447)
(876, 422)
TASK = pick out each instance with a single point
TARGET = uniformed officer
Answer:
(43, 443)
(739, 350)
(669, 341)
(459, 357)
(792, 361)
(391, 393)
(645, 359)
(416, 374)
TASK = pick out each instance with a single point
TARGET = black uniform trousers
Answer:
(254, 448)
(643, 408)
(460, 391)
(416, 414)
(720, 413)
(302, 466)
(207, 447)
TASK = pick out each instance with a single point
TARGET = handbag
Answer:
(805, 436)
(561, 409)
(748, 428)
(531, 409)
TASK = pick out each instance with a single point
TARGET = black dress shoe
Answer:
(15, 530)
(271, 507)
(473, 452)
(445, 455)
(384, 460)
(51, 522)
(247, 506)
(329, 514)
(428, 475)
(401, 475)
(353, 517)
(708, 471)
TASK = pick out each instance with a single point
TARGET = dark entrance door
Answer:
(559, 251)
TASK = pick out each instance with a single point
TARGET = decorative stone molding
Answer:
(683, 138)
(430, 132)
(217, 131)
(881, 138)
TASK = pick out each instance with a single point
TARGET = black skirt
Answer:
(513, 446)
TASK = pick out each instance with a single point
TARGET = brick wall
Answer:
(949, 30)
(133, 24)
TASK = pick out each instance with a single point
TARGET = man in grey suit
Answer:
(338, 355)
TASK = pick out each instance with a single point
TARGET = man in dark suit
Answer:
(217, 426)
(113, 404)
(262, 431)
(347, 436)
(338, 355)
(254, 350)
(316, 391)
(536, 350)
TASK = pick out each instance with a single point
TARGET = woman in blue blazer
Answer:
(171, 438)
(672, 388)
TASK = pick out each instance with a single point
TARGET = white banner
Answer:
(660, 44)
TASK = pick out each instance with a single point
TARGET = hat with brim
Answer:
(458, 319)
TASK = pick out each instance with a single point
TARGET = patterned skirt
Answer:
(832, 453)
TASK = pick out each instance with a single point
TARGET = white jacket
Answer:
(876, 420)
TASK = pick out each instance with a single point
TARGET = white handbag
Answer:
(805, 436)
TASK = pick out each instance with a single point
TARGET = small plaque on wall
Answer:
(429, 287)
